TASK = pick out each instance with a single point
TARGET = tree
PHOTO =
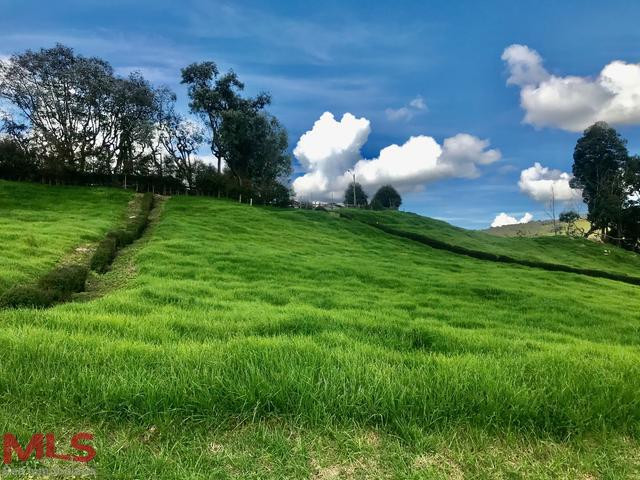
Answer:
(60, 98)
(73, 115)
(386, 198)
(600, 160)
(360, 195)
(181, 139)
(14, 163)
(213, 95)
(256, 146)
(570, 217)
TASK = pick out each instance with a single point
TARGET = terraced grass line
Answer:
(42, 226)
(576, 252)
(117, 239)
(123, 268)
(494, 257)
(257, 343)
(70, 276)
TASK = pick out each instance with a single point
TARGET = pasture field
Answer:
(40, 224)
(246, 342)
(537, 228)
(558, 249)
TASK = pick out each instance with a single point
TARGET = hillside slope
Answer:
(39, 224)
(536, 228)
(259, 343)
(562, 250)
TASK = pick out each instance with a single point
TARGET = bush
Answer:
(27, 296)
(116, 239)
(136, 225)
(65, 279)
(121, 237)
(104, 254)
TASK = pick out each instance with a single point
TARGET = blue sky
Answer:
(366, 58)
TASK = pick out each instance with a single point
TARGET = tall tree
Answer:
(256, 146)
(59, 97)
(600, 160)
(360, 196)
(181, 139)
(73, 114)
(386, 197)
(212, 95)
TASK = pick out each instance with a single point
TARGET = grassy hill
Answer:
(536, 228)
(248, 342)
(560, 249)
(40, 224)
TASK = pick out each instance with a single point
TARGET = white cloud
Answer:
(525, 66)
(573, 103)
(418, 103)
(503, 219)
(407, 112)
(332, 147)
(543, 183)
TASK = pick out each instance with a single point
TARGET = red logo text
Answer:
(44, 445)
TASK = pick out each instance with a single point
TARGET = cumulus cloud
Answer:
(573, 103)
(332, 147)
(544, 184)
(408, 111)
(327, 150)
(503, 219)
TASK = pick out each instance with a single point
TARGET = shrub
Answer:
(27, 296)
(116, 239)
(121, 237)
(65, 279)
(104, 254)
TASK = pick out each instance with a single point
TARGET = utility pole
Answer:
(353, 172)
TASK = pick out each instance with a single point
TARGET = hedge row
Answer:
(119, 238)
(494, 257)
(64, 280)
(56, 286)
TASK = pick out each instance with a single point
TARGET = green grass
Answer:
(537, 228)
(558, 249)
(259, 343)
(39, 224)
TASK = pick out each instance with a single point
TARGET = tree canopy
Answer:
(70, 118)
(212, 96)
(361, 198)
(386, 197)
(608, 177)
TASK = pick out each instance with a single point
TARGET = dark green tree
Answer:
(570, 218)
(73, 115)
(600, 161)
(256, 148)
(213, 95)
(360, 198)
(386, 197)
(14, 163)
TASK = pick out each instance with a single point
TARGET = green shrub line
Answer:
(56, 286)
(64, 280)
(119, 238)
(493, 257)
